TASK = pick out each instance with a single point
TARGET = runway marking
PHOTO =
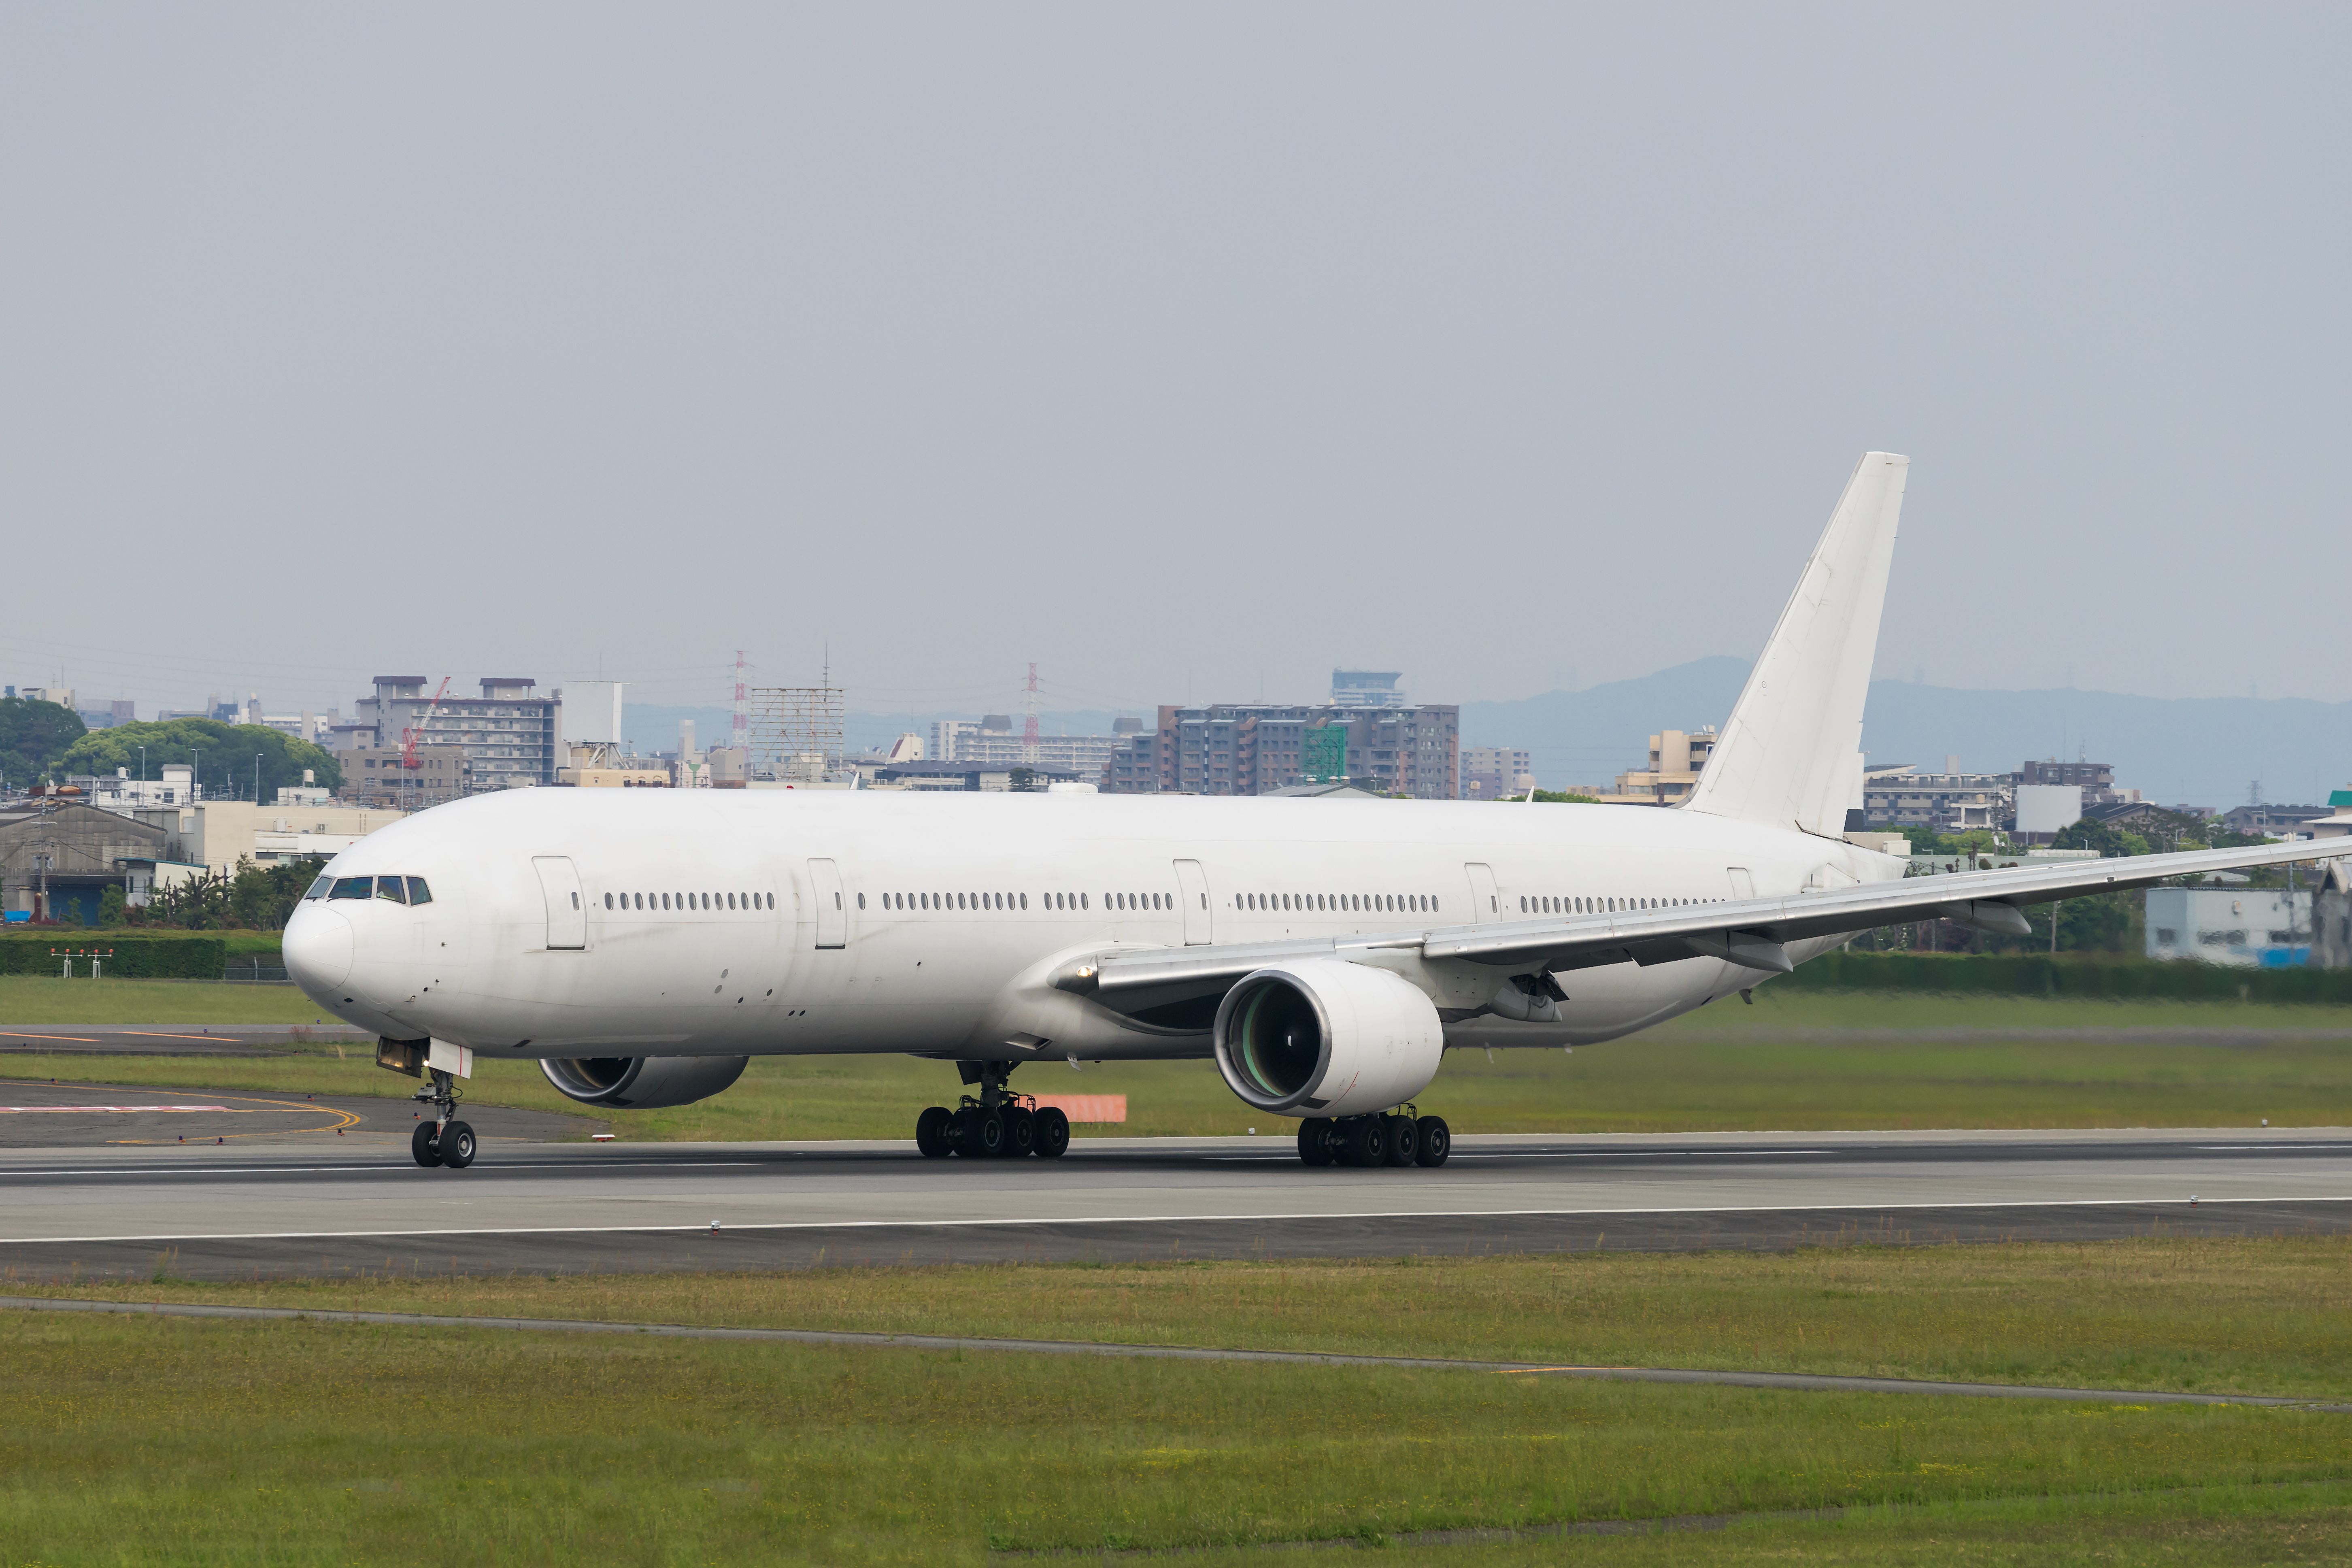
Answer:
(1795, 1380)
(38, 1109)
(385, 1169)
(704, 1228)
(77, 1039)
(159, 1034)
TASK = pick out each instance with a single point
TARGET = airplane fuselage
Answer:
(572, 923)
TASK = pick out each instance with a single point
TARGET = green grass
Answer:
(191, 1442)
(1797, 1060)
(2266, 1316)
(46, 999)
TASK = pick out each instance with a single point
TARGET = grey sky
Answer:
(1185, 351)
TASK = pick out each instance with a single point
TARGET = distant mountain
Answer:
(2205, 751)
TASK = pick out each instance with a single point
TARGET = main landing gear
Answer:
(995, 1124)
(443, 1141)
(1399, 1138)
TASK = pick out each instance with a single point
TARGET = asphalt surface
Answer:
(342, 1206)
(69, 1113)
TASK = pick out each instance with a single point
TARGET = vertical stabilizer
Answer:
(1791, 752)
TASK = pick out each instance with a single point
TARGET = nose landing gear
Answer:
(995, 1124)
(1401, 1138)
(443, 1141)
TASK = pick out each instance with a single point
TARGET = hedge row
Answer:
(2025, 974)
(132, 958)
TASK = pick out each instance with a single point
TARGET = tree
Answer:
(111, 905)
(34, 737)
(259, 898)
(2108, 841)
(1551, 797)
(226, 758)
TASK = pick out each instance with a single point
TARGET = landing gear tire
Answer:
(456, 1146)
(1436, 1143)
(1020, 1132)
(1405, 1141)
(421, 1145)
(1363, 1142)
(980, 1135)
(1053, 1133)
(1315, 1141)
(931, 1132)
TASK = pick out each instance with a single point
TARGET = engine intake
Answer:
(642, 1083)
(1326, 1037)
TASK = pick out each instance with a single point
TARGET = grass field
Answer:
(47, 1000)
(2266, 1316)
(1798, 1061)
(157, 1440)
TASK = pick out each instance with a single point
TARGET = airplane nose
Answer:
(318, 945)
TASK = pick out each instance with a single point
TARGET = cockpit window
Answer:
(390, 888)
(318, 889)
(418, 893)
(353, 887)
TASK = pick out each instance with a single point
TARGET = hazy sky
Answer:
(1183, 350)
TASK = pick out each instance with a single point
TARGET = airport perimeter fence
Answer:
(177, 957)
(2028, 975)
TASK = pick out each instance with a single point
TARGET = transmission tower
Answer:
(741, 736)
(1029, 720)
(797, 729)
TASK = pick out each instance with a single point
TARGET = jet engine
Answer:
(1326, 1037)
(642, 1083)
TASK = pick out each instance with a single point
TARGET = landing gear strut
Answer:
(993, 1124)
(443, 1141)
(1401, 1138)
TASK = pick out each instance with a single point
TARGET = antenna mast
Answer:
(1029, 719)
(741, 737)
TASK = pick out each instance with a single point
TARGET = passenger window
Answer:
(861, 901)
(1024, 901)
(608, 901)
(390, 888)
(1082, 900)
(353, 887)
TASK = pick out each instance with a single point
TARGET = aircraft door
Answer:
(1486, 905)
(1743, 886)
(567, 913)
(1195, 896)
(832, 911)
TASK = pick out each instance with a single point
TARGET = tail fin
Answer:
(1791, 752)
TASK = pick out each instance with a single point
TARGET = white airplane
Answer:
(643, 945)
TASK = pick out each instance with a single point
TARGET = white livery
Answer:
(642, 945)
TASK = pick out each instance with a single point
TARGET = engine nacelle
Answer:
(1326, 1037)
(642, 1083)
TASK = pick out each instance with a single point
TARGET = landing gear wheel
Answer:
(931, 1132)
(1053, 1133)
(1436, 1143)
(456, 1146)
(1315, 1141)
(420, 1143)
(1363, 1142)
(1404, 1142)
(982, 1134)
(1020, 1132)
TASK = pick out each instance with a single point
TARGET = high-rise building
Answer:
(1257, 747)
(509, 734)
(1489, 772)
(1366, 689)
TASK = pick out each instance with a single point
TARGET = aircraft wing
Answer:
(1750, 931)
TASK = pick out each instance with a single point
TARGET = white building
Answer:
(1489, 772)
(2250, 928)
(121, 793)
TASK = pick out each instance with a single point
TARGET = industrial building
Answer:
(2250, 927)
(508, 735)
(58, 858)
(994, 741)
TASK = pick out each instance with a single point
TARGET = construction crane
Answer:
(415, 732)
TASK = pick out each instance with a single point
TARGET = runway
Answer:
(224, 1211)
